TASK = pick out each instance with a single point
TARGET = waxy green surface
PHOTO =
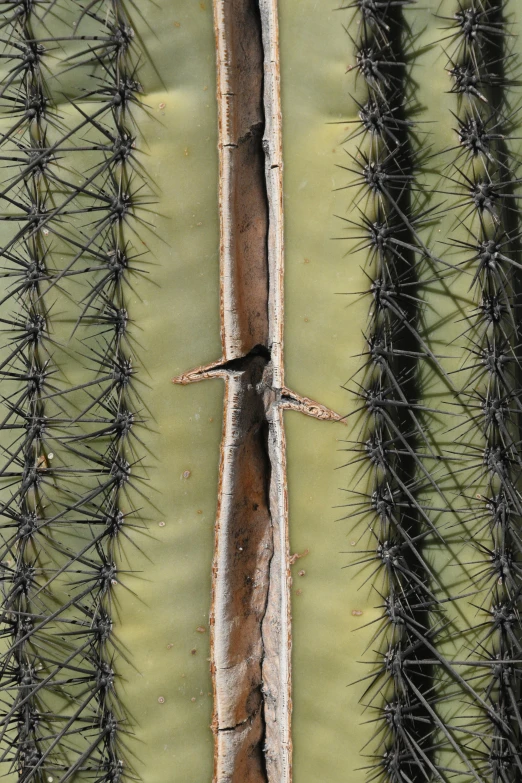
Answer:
(175, 314)
(322, 332)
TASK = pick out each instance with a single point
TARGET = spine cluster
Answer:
(392, 449)
(484, 185)
(71, 457)
(26, 372)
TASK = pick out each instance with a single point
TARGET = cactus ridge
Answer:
(392, 448)
(28, 725)
(483, 180)
(71, 456)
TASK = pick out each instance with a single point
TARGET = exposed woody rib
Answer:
(250, 613)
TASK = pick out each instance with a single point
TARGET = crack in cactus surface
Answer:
(252, 711)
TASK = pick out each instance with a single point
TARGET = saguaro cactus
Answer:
(319, 207)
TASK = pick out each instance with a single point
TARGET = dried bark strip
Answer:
(250, 613)
(242, 186)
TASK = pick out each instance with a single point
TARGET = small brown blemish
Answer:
(170, 646)
(161, 105)
(306, 319)
(186, 474)
(199, 511)
(298, 592)
(186, 152)
(356, 612)
(177, 24)
(193, 698)
(201, 629)
(203, 6)
(302, 572)
(297, 556)
(193, 651)
(307, 260)
(211, 419)
(161, 699)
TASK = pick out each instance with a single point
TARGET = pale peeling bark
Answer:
(250, 613)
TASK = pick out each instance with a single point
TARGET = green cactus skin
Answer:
(173, 572)
(162, 680)
(318, 325)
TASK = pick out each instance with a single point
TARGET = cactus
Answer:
(81, 528)
(197, 583)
